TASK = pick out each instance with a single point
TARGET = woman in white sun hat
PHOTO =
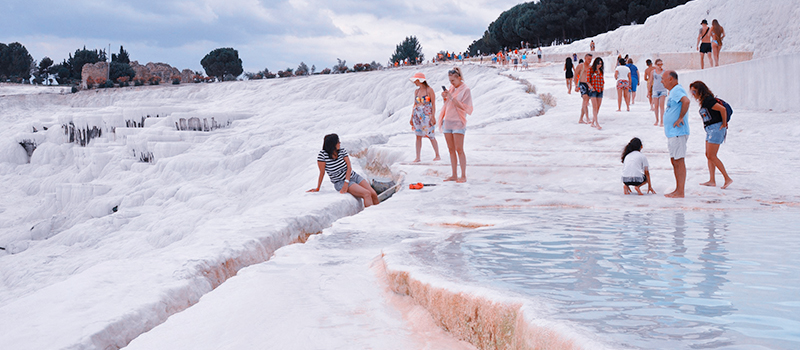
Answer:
(422, 121)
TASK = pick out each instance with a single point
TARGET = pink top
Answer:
(453, 117)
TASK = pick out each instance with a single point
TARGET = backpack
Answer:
(727, 106)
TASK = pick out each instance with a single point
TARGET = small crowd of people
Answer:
(452, 121)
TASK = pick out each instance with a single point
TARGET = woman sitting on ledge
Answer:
(334, 160)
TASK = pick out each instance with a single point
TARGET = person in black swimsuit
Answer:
(569, 74)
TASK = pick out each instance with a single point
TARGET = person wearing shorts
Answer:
(581, 76)
(676, 128)
(704, 44)
(334, 161)
(453, 119)
(715, 121)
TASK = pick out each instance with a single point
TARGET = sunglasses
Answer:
(453, 71)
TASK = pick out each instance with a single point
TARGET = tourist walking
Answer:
(715, 121)
(581, 77)
(423, 120)
(659, 92)
(568, 69)
(704, 44)
(635, 170)
(717, 34)
(539, 54)
(596, 84)
(591, 46)
(647, 77)
(334, 160)
(623, 76)
(634, 80)
(453, 119)
(676, 128)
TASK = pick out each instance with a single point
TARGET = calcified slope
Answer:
(101, 246)
(765, 28)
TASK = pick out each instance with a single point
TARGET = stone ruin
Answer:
(161, 70)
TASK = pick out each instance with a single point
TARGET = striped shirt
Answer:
(336, 168)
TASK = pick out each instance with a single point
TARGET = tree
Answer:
(409, 48)
(313, 68)
(302, 69)
(45, 65)
(122, 57)
(118, 70)
(83, 57)
(221, 62)
(15, 61)
(339, 68)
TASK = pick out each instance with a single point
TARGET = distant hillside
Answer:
(750, 25)
(549, 22)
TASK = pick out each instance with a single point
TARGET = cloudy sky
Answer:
(274, 34)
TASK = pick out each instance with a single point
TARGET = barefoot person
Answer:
(717, 34)
(704, 44)
(635, 170)
(715, 121)
(596, 84)
(647, 74)
(422, 115)
(676, 127)
(334, 160)
(569, 74)
(581, 76)
(623, 76)
(659, 92)
(453, 119)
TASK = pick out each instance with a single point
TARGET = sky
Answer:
(268, 34)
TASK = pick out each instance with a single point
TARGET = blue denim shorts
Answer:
(657, 94)
(454, 131)
(598, 94)
(716, 135)
(354, 179)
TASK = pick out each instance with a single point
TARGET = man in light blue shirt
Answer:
(677, 129)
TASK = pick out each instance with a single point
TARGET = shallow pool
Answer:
(650, 280)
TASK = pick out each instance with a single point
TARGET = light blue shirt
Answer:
(673, 112)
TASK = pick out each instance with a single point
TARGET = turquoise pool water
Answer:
(649, 280)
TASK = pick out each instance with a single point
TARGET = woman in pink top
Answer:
(453, 121)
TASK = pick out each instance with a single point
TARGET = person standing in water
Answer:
(676, 128)
(647, 77)
(704, 44)
(453, 119)
(623, 76)
(715, 121)
(423, 119)
(634, 79)
(581, 76)
(334, 160)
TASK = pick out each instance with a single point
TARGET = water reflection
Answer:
(648, 280)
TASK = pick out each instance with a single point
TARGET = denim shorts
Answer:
(454, 131)
(354, 179)
(716, 135)
(657, 94)
(598, 94)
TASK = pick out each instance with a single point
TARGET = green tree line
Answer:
(553, 22)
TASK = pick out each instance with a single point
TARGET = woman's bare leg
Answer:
(458, 140)
(596, 102)
(448, 137)
(419, 148)
(435, 145)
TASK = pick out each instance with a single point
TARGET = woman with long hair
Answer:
(569, 74)
(422, 115)
(334, 160)
(453, 119)
(635, 170)
(717, 34)
(659, 92)
(596, 84)
(623, 76)
(715, 121)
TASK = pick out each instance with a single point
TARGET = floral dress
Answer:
(421, 117)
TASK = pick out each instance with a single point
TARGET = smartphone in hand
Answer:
(444, 88)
